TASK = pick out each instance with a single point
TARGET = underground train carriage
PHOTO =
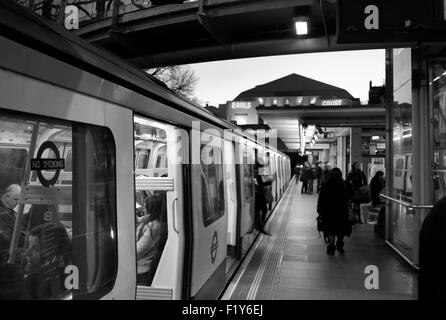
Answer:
(153, 173)
(152, 179)
(86, 225)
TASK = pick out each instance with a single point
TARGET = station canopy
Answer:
(288, 103)
(160, 33)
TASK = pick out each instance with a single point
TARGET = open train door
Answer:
(160, 177)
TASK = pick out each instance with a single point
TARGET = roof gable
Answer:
(293, 85)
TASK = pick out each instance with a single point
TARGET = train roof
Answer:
(31, 30)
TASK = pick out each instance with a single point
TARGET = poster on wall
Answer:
(399, 162)
(442, 117)
(377, 165)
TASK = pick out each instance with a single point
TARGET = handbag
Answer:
(351, 216)
(321, 227)
(319, 224)
(372, 217)
(268, 196)
(362, 195)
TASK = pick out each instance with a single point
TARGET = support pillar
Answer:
(325, 155)
(355, 147)
(341, 155)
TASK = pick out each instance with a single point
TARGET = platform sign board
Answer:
(384, 21)
(334, 102)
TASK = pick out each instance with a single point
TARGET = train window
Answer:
(66, 242)
(12, 164)
(143, 158)
(150, 149)
(161, 159)
(212, 191)
(69, 162)
(151, 177)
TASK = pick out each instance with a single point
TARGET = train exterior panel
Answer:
(141, 206)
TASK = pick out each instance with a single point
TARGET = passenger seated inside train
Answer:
(49, 251)
(151, 234)
(38, 214)
(140, 197)
(8, 201)
(12, 280)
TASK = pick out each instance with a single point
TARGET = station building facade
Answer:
(289, 91)
(282, 104)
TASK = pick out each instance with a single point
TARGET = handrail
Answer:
(410, 206)
(406, 204)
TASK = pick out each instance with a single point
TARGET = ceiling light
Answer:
(301, 25)
(299, 100)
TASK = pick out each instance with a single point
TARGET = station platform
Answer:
(292, 263)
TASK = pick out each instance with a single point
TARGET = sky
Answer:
(222, 81)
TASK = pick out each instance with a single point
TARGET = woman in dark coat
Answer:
(376, 186)
(332, 207)
(304, 175)
(356, 179)
(260, 200)
(432, 255)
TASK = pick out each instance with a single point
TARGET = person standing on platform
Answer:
(311, 176)
(319, 173)
(332, 207)
(297, 172)
(376, 185)
(325, 170)
(260, 200)
(304, 177)
(432, 255)
(357, 179)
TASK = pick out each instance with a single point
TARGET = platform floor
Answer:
(292, 263)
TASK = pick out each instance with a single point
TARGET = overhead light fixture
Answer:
(299, 100)
(375, 137)
(301, 25)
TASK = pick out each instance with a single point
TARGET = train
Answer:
(97, 153)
